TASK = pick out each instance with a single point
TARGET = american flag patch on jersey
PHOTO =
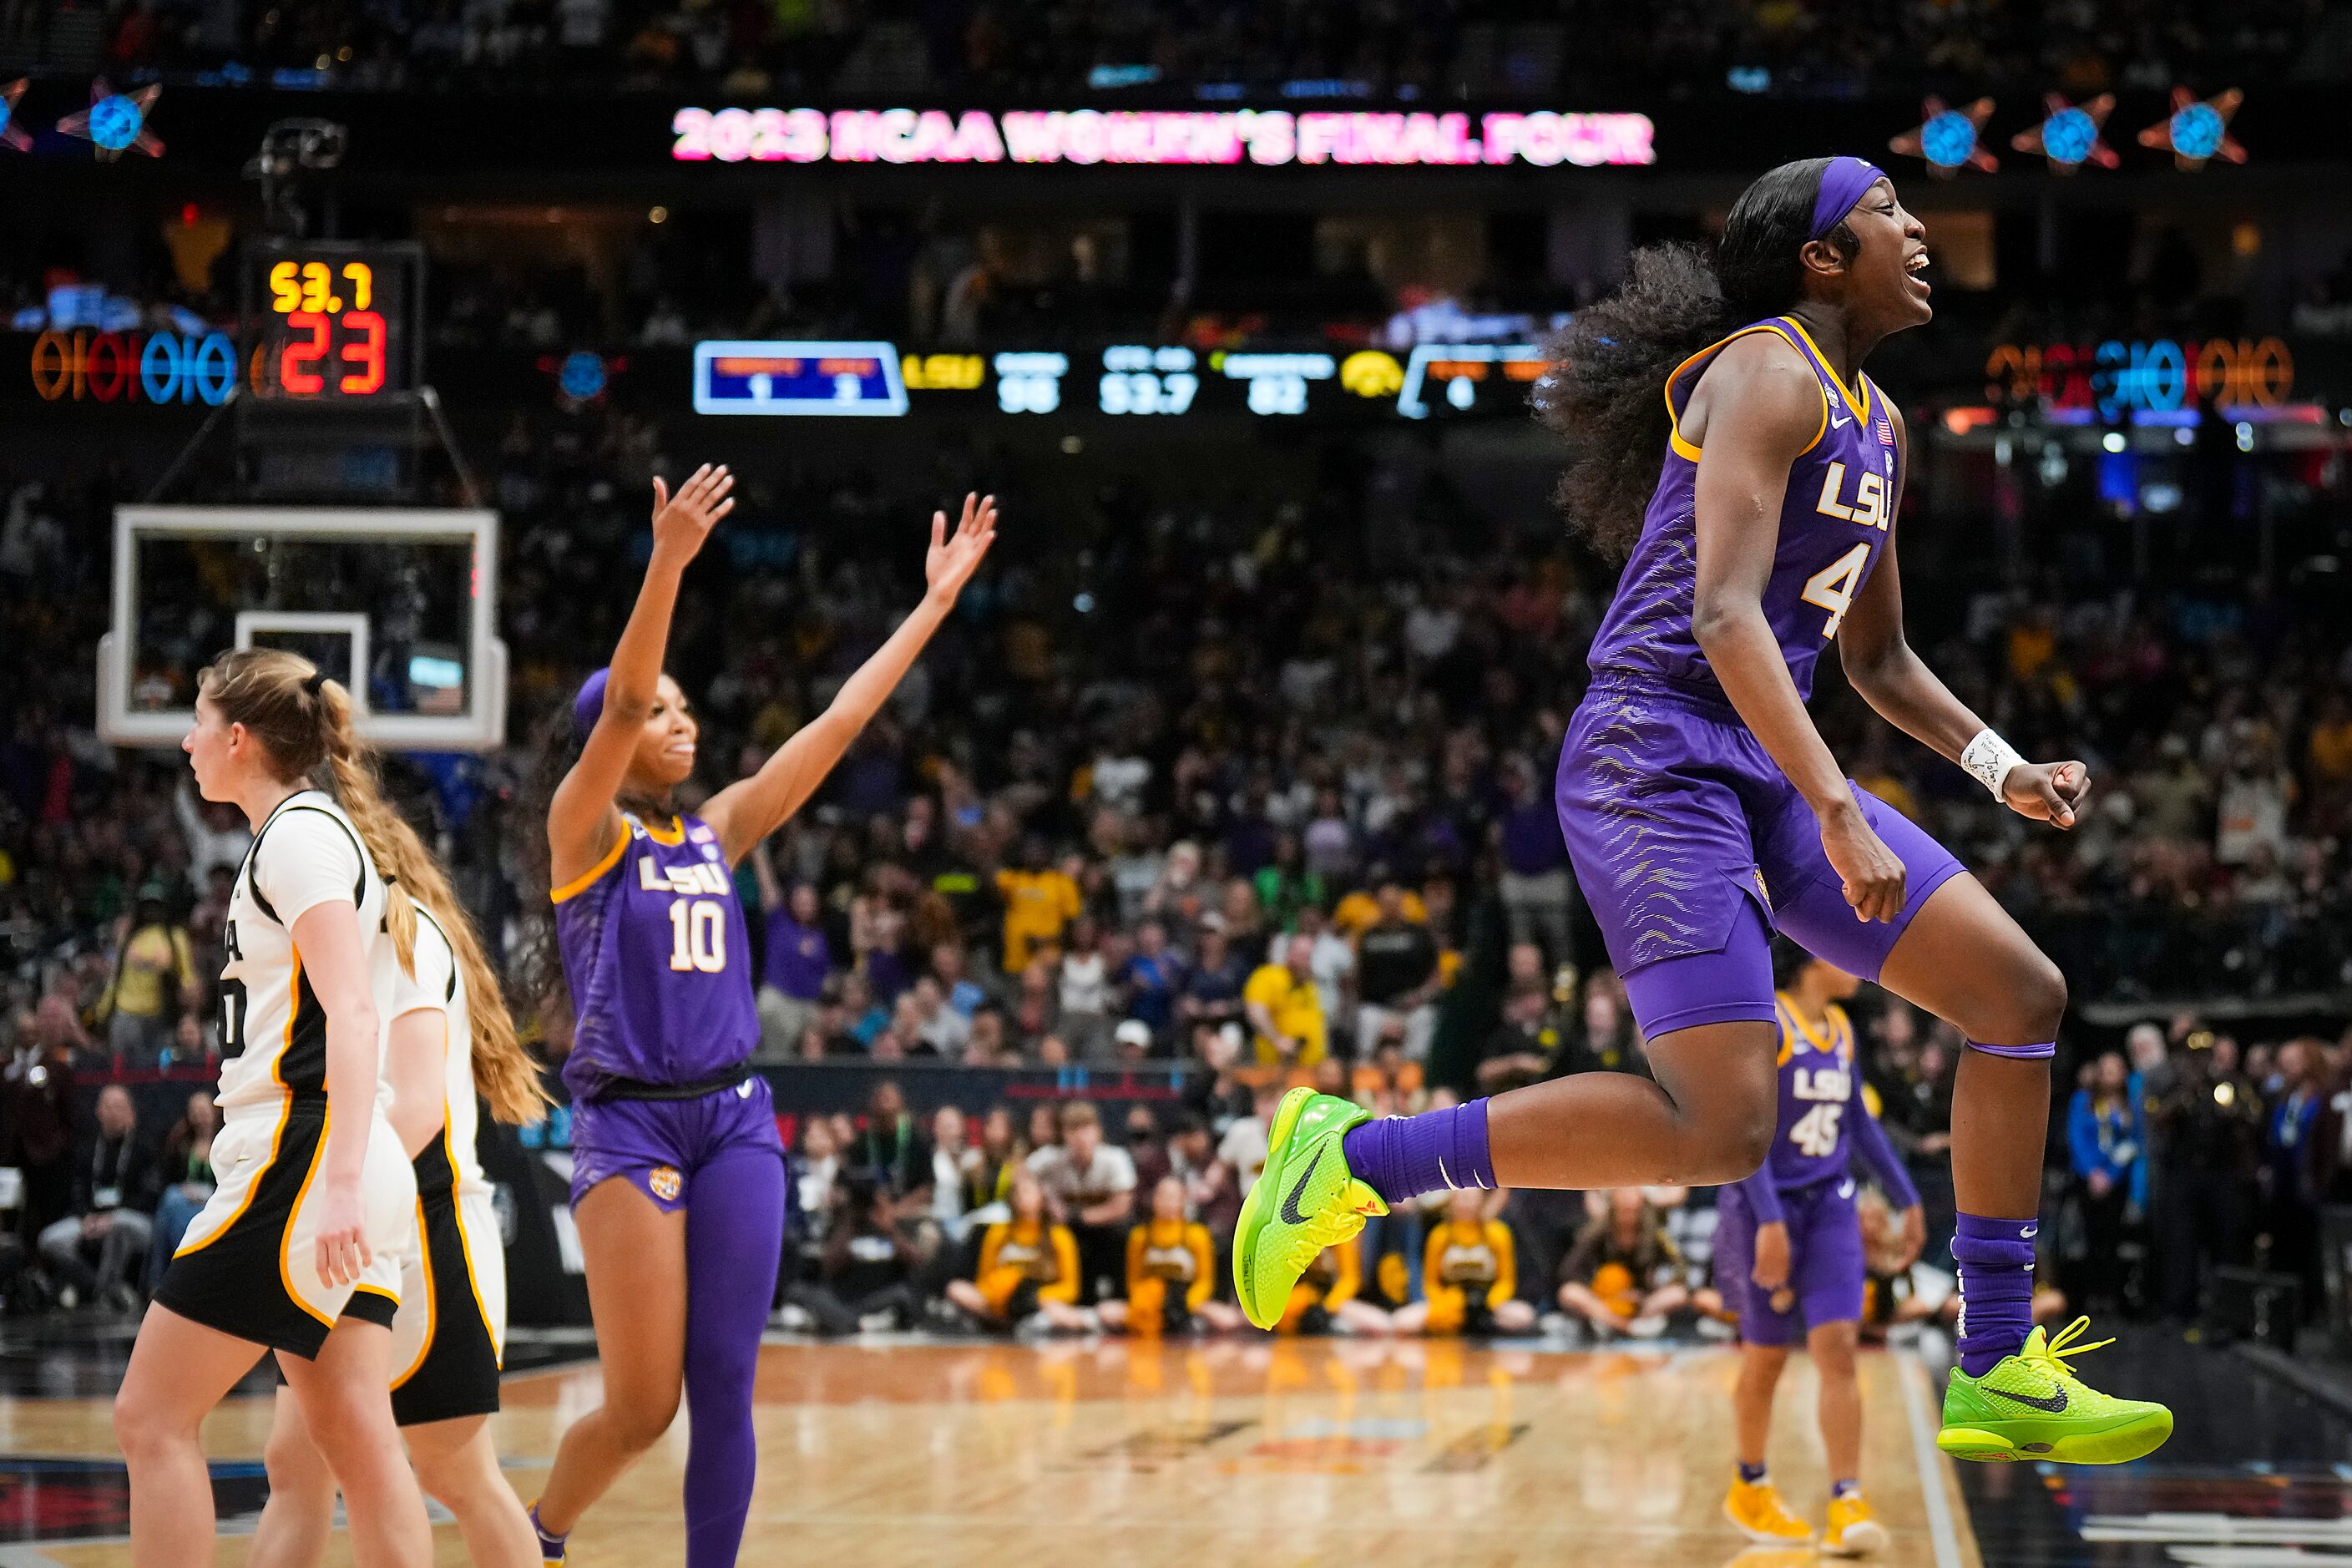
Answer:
(702, 833)
(1886, 431)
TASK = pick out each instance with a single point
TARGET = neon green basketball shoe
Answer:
(2031, 1406)
(1306, 1199)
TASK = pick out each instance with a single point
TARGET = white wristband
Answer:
(1988, 760)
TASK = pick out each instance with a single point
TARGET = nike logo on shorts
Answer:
(1290, 1215)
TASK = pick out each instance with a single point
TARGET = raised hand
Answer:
(682, 521)
(951, 562)
(2047, 792)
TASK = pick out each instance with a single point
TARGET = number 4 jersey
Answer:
(1834, 521)
(657, 955)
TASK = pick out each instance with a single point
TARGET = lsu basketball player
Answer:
(678, 1176)
(297, 1251)
(1788, 1245)
(1703, 811)
(450, 1040)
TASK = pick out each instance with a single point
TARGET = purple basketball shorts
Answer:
(657, 1145)
(1693, 847)
(1826, 1269)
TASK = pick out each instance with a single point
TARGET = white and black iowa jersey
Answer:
(434, 981)
(273, 1030)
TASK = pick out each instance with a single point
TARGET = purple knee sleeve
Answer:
(2040, 1053)
(1401, 1157)
(1996, 1260)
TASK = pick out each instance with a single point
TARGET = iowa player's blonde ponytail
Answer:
(351, 778)
(303, 720)
(504, 1073)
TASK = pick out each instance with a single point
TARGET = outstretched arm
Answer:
(749, 810)
(1765, 409)
(1880, 663)
(581, 822)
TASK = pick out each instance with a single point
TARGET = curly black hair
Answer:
(1601, 388)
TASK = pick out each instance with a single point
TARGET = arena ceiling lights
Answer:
(1543, 139)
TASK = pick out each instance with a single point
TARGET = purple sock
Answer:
(1752, 1474)
(1401, 1157)
(550, 1546)
(1996, 1260)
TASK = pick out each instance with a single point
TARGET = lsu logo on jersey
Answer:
(1873, 503)
(1827, 1085)
(664, 1183)
(699, 878)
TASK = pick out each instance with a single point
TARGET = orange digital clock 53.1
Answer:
(331, 322)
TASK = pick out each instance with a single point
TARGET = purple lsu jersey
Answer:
(1833, 525)
(1824, 1120)
(658, 956)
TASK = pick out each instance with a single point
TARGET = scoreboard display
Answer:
(334, 324)
(786, 378)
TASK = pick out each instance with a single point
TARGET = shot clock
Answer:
(332, 324)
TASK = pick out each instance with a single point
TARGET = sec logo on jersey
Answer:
(665, 1183)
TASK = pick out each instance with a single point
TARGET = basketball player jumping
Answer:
(1702, 809)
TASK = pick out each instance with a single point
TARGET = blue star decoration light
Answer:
(11, 134)
(116, 123)
(2197, 130)
(1949, 139)
(582, 377)
(2069, 134)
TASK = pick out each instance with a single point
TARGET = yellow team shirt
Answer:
(154, 952)
(1464, 1261)
(1359, 912)
(1024, 1251)
(1037, 905)
(1162, 1254)
(1296, 1007)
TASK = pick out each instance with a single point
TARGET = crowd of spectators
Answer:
(1407, 48)
(1247, 778)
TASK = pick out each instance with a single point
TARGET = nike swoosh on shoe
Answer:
(1289, 1213)
(2054, 1402)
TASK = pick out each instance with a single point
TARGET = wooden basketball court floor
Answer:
(1254, 1452)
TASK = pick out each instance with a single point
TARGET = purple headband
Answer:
(1842, 184)
(590, 703)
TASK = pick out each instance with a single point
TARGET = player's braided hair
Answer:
(1602, 387)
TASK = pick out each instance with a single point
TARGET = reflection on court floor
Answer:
(1289, 1452)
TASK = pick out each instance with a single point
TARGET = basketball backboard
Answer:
(397, 605)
